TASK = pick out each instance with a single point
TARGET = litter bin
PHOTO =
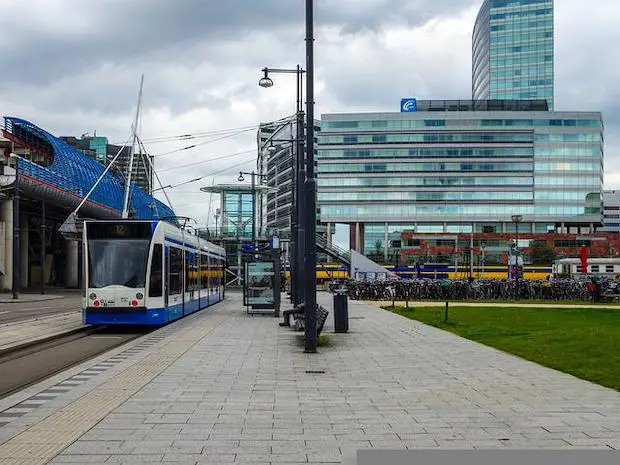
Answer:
(341, 310)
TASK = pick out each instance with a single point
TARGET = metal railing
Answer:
(340, 254)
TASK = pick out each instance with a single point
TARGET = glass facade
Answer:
(513, 50)
(238, 214)
(465, 171)
(611, 211)
(100, 146)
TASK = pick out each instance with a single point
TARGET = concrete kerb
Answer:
(43, 339)
(40, 318)
(25, 298)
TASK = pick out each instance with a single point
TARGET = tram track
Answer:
(29, 364)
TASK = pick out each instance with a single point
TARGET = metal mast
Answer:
(134, 130)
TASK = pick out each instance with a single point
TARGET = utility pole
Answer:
(16, 234)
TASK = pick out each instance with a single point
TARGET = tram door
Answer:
(166, 275)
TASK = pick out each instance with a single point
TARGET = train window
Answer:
(594, 268)
(155, 287)
(609, 268)
(176, 271)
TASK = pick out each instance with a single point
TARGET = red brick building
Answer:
(441, 247)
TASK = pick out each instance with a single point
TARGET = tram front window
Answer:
(117, 262)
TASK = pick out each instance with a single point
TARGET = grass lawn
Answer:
(611, 303)
(582, 342)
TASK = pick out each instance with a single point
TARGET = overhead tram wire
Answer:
(202, 162)
(205, 176)
(218, 132)
(161, 185)
(195, 145)
(198, 135)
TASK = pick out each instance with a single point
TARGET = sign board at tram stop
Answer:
(261, 289)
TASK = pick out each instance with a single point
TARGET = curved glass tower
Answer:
(512, 51)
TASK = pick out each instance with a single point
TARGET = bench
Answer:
(299, 310)
(321, 318)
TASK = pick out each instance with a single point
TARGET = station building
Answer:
(42, 180)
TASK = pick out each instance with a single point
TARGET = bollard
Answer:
(341, 311)
(446, 315)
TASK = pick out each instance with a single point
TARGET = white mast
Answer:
(134, 130)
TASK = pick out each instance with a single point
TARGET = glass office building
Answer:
(611, 211)
(512, 50)
(456, 166)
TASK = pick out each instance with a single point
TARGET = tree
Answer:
(542, 253)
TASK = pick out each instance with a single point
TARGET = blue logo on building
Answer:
(408, 105)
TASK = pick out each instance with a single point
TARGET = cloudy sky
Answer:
(74, 66)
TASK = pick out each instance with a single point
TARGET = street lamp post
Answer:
(307, 213)
(310, 184)
(296, 249)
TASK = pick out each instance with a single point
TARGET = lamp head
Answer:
(265, 81)
(272, 149)
(240, 178)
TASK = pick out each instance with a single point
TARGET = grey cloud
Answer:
(124, 31)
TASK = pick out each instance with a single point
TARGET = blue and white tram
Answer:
(147, 273)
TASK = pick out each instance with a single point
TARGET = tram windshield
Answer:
(117, 262)
(118, 254)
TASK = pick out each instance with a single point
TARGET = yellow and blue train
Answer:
(330, 271)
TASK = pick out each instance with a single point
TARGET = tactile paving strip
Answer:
(43, 441)
(62, 387)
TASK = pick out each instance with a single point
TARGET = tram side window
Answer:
(209, 273)
(205, 284)
(176, 271)
(190, 271)
(198, 271)
(155, 286)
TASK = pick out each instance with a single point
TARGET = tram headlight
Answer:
(93, 296)
(139, 296)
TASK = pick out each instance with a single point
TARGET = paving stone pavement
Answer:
(231, 388)
(17, 333)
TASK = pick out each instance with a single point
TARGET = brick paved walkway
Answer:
(221, 387)
(18, 333)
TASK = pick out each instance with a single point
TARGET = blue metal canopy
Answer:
(71, 174)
